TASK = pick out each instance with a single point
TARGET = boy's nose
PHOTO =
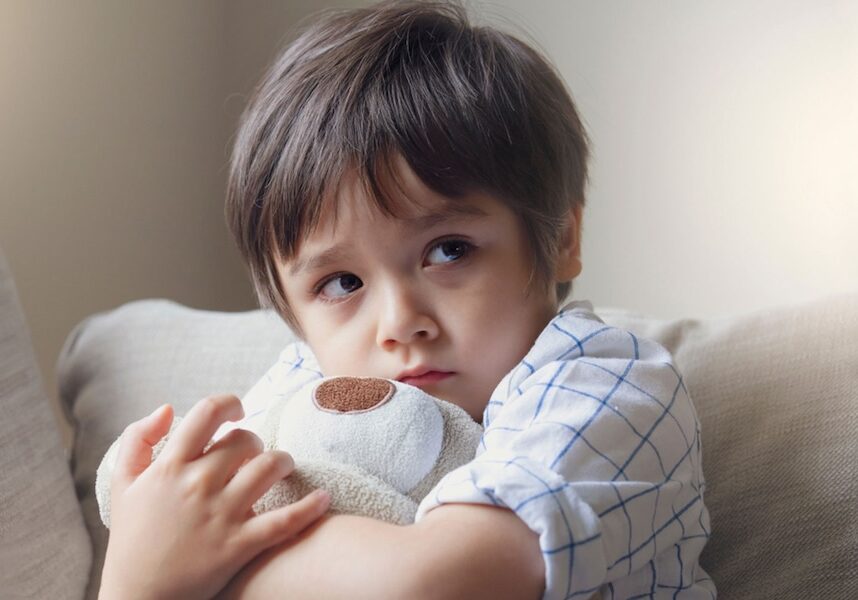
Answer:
(403, 320)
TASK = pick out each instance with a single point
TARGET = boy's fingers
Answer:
(276, 526)
(226, 456)
(256, 477)
(135, 445)
(200, 424)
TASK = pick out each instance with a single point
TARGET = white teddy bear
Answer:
(378, 446)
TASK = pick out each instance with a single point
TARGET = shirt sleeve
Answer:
(295, 367)
(593, 441)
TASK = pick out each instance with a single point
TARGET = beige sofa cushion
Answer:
(777, 394)
(44, 546)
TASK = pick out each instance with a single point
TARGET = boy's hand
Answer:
(183, 525)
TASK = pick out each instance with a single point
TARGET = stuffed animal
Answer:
(378, 446)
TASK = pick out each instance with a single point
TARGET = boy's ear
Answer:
(568, 265)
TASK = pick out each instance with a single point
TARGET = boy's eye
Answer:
(340, 285)
(448, 251)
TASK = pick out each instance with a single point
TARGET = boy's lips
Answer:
(421, 376)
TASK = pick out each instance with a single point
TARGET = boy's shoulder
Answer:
(578, 332)
(578, 347)
(580, 356)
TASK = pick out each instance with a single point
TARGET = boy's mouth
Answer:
(422, 376)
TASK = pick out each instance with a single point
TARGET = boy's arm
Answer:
(456, 551)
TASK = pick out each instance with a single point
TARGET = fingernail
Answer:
(159, 411)
(321, 496)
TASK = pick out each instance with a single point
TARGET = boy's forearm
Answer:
(342, 556)
(457, 551)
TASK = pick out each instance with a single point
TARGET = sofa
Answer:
(776, 392)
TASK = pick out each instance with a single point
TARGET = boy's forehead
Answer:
(406, 213)
(408, 202)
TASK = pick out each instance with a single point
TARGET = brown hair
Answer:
(469, 108)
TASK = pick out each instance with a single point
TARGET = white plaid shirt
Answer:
(593, 441)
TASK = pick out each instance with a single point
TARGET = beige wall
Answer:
(725, 138)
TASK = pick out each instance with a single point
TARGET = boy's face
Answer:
(438, 299)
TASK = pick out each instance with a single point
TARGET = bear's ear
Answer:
(352, 394)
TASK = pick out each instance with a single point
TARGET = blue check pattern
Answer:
(593, 441)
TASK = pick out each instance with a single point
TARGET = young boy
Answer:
(407, 191)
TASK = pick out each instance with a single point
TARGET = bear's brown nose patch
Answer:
(352, 394)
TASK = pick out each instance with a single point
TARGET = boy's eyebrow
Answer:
(340, 252)
(319, 261)
(449, 212)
